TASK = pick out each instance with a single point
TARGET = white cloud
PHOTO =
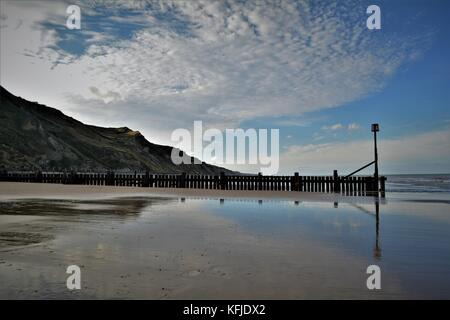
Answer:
(333, 127)
(234, 62)
(353, 126)
(427, 152)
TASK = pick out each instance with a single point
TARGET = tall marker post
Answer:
(375, 129)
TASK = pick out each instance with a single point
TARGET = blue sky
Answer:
(309, 68)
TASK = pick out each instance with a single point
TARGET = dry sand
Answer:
(16, 190)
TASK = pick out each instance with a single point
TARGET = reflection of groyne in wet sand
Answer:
(355, 186)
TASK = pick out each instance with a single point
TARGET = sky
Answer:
(311, 69)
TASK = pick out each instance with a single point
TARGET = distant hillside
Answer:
(33, 136)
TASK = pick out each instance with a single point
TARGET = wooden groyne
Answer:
(355, 186)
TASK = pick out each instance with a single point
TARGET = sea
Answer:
(418, 183)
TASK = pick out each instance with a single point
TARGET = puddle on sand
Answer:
(17, 229)
(48, 207)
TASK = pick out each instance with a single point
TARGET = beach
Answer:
(141, 243)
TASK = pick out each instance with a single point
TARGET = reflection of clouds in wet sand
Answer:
(11, 239)
(172, 249)
(125, 206)
(438, 211)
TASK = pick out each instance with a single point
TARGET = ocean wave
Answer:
(418, 183)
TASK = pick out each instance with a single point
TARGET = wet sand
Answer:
(160, 245)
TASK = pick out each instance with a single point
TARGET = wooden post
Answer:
(383, 187)
(222, 181)
(259, 183)
(150, 180)
(39, 176)
(4, 175)
(352, 182)
(146, 180)
(296, 180)
(375, 129)
(370, 186)
(183, 180)
(336, 182)
(216, 182)
(72, 177)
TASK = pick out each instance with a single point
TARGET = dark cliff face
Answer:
(33, 136)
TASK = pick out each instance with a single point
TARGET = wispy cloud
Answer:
(333, 127)
(428, 152)
(353, 126)
(220, 61)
